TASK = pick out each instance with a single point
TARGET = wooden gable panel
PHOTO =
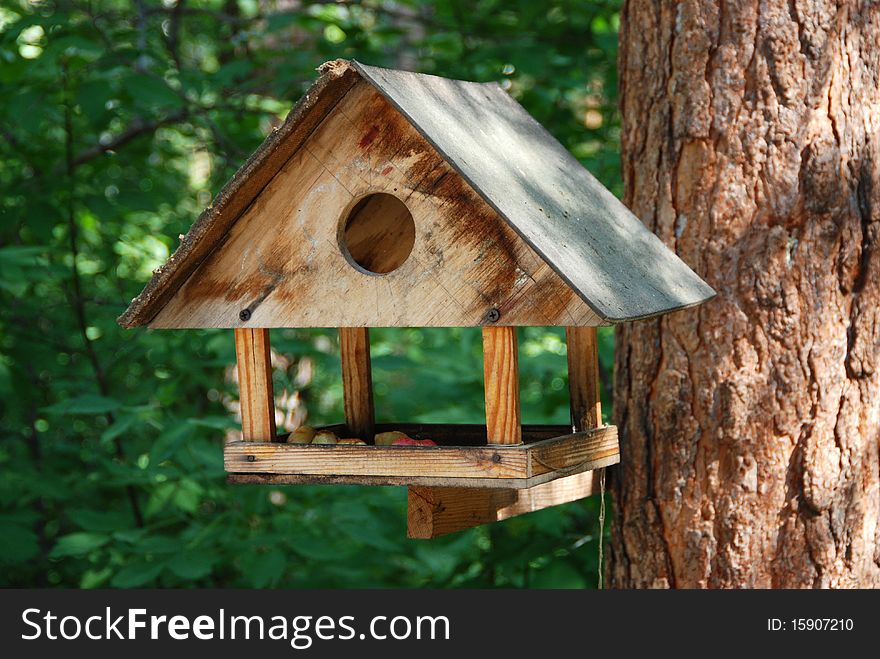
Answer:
(282, 261)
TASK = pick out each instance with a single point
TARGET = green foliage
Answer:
(118, 121)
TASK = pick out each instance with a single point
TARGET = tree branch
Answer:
(135, 129)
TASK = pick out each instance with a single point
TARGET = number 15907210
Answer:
(810, 624)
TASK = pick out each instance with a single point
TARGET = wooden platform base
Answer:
(436, 511)
(539, 459)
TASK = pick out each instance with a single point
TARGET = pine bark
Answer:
(750, 425)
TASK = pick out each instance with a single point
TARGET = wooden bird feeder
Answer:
(393, 199)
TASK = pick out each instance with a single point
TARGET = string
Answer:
(601, 527)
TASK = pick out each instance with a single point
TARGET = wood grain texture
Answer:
(329, 460)
(583, 378)
(516, 466)
(501, 384)
(583, 381)
(254, 359)
(436, 511)
(282, 259)
(357, 381)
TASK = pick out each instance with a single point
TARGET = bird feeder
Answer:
(394, 199)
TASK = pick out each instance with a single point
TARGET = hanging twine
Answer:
(601, 527)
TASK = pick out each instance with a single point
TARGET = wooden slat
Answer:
(436, 511)
(574, 453)
(406, 481)
(583, 378)
(357, 381)
(253, 355)
(327, 460)
(501, 368)
(522, 465)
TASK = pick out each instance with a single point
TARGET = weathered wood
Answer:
(423, 481)
(501, 370)
(436, 511)
(520, 465)
(583, 231)
(328, 460)
(254, 358)
(580, 451)
(282, 260)
(357, 381)
(583, 378)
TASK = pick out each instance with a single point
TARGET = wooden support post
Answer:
(434, 511)
(583, 385)
(501, 368)
(583, 378)
(253, 354)
(357, 381)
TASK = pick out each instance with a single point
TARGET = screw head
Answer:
(251, 458)
(244, 315)
(493, 316)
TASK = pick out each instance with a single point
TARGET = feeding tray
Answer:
(462, 458)
(394, 199)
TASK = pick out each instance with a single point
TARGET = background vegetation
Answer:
(118, 121)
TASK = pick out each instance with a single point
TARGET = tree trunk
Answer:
(750, 425)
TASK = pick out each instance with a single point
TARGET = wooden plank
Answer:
(436, 511)
(253, 355)
(501, 369)
(390, 481)
(574, 453)
(357, 381)
(329, 460)
(528, 464)
(583, 378)
(426, 481)
(282, 260)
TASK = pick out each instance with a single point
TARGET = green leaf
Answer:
(151, 92)
(137, 574)
(85, 404)
(266, 569)
(95, 578)
(121, 425)
(105, 521)
(19, 544)
(192, 565)
(77, 544)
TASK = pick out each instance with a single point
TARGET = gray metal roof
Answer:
(621, 269)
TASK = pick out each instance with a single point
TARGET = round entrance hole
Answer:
(379, 233)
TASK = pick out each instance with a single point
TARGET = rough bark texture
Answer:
(750, 426)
